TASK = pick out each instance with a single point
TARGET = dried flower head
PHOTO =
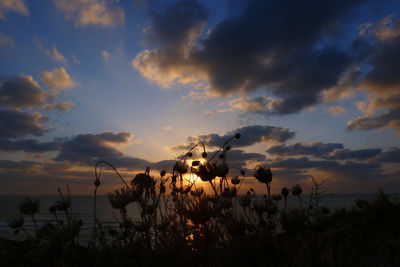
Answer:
(206, 172)
(16, 222)
(29, 206)
(120, 198)
(263, 174)
(285, 192)
(144, 181)
(235, 180)
(180, 167)
(296, 190)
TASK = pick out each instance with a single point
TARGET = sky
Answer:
(313, 87)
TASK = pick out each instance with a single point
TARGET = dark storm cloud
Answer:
(270, 44)
(349, 169)
(317, 149)
(28, 145)
(250, 135)
(360, 154)
(21, 92)
(16, 123)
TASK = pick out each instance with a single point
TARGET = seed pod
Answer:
(204, 154)
(238, 135)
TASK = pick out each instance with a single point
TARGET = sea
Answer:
(82, 208)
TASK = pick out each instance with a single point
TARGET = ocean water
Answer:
(82, 208)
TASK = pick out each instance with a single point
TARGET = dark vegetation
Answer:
(179, 224)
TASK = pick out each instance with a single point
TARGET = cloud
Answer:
(17, 6)
(360, 154)
(379, 44)
(167, 128)
(389, 119)
(209, 113)
(286, 61)
(317, 149)
(92, 12)
(250, 135)
(60, 106)
(55, 55)
(349, 170)
(16, 123)
(85, 148)
(175, 30)
(28, 145)
(251, 105)
(391, 156)
(18, 165)
(106, 56)
(57, 79)
(75, 59)
(21, 92)
(5, 41)
(336, 110)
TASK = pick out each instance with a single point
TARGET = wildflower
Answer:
(53, 209)
(296, 190)
(144, 181)
(29, 206)
(16, 222)
(263, 174)
(119, 199)
(63, 204)
(180, 167)
(235, 180)
(285, 192)
(206, 172)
